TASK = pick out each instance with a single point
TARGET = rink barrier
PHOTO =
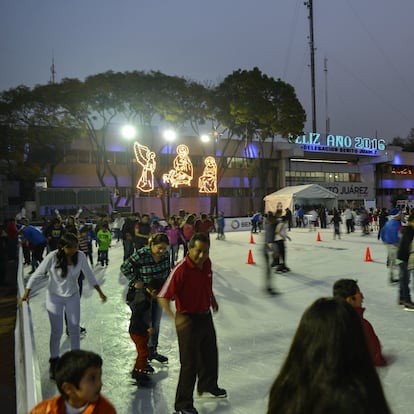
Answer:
(28, 380)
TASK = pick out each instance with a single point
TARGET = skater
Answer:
(117, 225)
(151, 263)
(78, 379)
(63, 267)
(220, 226)
(53, 232)
(348, 290)
(92, 237)
(37, 241)
(336, 221)
(104, 237)
(319, 374)
(174, 236)
(142, 232)
(390, 235)
(190, 285)
(289, 215)
(140, 300)
(203, 225)
(255, 221)
(406, 264)
(382, 219)
(349, 220)
(280, 237)
(270, 251)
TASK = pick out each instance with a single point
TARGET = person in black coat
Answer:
(403, 255)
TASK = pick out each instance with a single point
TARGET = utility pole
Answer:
(309, 5)
(325, 69)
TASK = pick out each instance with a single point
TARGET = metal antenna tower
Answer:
(52, 69)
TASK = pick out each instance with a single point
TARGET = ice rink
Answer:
(254, 330)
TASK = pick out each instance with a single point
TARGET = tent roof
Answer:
(303, 191)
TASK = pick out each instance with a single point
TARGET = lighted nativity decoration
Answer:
(146, 158)
(207, 183)
(182, 173)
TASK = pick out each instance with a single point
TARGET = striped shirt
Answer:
(142, 266)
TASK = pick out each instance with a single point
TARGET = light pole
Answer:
(129, 132)
(170, 136)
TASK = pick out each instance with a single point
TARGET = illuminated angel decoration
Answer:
(182, 174)
(207, 183)
(146, 158)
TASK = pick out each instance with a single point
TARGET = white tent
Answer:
(309, 194)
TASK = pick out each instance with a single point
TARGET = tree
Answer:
(407, 144)
(255, 107)
(38, 125)
(35, 134)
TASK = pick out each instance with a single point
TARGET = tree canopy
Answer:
(407, 144)
(38, 125)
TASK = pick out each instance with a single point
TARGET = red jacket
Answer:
(373, 342)
(56, 405)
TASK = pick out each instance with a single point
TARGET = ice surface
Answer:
(254, 330)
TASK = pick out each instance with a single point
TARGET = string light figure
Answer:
(182, 173)
(146, 158)
(207, 182)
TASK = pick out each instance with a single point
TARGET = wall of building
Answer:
(364, 181)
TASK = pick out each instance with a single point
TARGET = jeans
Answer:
(156, 313)
(392, 250)
(405, 295)
(173, 253)
(103, 256)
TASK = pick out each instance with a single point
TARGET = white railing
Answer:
(28, 381)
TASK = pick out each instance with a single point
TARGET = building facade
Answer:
(142, 175)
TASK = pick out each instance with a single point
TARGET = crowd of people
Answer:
(370, 220)
(62, 251)
(157, 278)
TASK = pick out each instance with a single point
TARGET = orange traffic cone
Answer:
(251, 239)
(368, 257)
(250, 258)
(318, 239)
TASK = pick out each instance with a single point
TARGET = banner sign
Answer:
(339, 144)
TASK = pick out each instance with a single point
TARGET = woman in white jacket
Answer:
(63, 267)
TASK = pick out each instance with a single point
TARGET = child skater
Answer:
(139, 299)
(78, 378)
(336, 221)
(104, 237)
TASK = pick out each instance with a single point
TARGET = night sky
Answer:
(367, 44)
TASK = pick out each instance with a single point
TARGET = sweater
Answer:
(56, 405)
